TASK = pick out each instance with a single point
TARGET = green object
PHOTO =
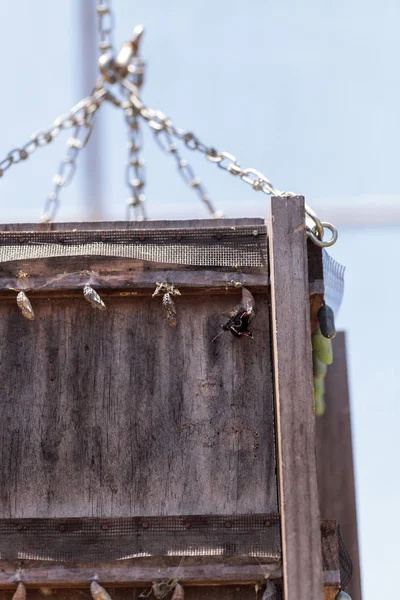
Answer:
(322, 348)
(342, 596)
(319, 368)
(322, 356)
(319, 402)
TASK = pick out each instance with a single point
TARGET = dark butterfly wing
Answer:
(240, 316)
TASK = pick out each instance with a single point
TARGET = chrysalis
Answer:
(342, 596)
(270, 591)
(179, 593)
(20, 593)
(168, 290)
(170, 310)
(98, 592)
(92, 296)
(25, 306)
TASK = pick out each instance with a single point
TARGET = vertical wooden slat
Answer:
(335, 459)
(302, 566)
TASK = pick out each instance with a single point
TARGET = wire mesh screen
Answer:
(244, 246)
(346, 564)
(333, 281)
(94, 540)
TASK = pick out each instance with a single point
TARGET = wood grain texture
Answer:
(302, 566)
(238, 592)
(65, 274)
(335, 459)
(130, 573)
(232, 592)
(117, 414)
(191, 570)
(106, 225)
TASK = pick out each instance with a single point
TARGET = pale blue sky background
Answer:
(306, 91)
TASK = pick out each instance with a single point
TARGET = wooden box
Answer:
(125, 438)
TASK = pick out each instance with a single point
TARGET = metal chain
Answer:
(185, 170)
(127, 69)
(135, 170)
(105, 26)
(77, 116)
(66, 171)
(159, 122)
(67, 167)
(135, 173)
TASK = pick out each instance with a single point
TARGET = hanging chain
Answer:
(67, 167)
(77, 116)
(105, 22)
(135, 169)
(161, 124)
(66, 171)
(127, 70)
(168, 146)
(135, 172)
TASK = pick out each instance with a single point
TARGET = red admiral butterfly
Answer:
(240, 317)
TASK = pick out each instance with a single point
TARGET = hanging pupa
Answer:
(98, 592)
(270, 591)
(179, 593)
(168, 290)
(170, 310)
(93, 297)
(20, 593)
(25, 306)
(341, 595)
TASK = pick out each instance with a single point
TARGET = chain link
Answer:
(184, 169)
(83, 127)
(228, 162)
(135, 174)
(77, 116)
(67, 167)
(105, 21)
(127, 70)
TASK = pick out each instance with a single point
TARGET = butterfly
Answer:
(240, 317)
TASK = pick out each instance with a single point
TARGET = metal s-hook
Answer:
(316, 234)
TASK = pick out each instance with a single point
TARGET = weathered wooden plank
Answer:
(107, 225)
(191, 593)
(232, 592)
(302, 568)
(136, 576)
(335, 459)
(191, 571)
(117, 414)
(60, 274)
